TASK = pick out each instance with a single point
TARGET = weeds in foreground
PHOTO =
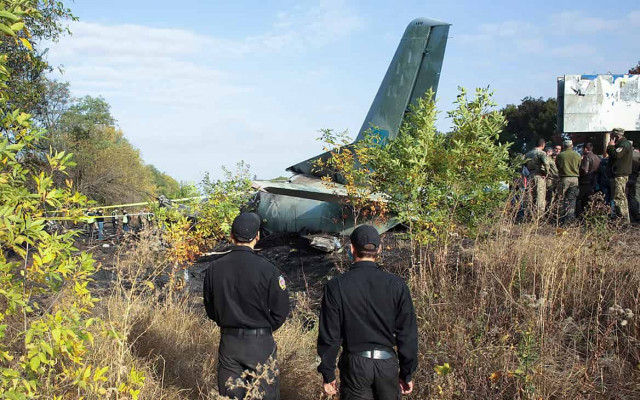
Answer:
(529, 314)
(526, 311)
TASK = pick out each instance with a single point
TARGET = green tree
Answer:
(28, 80)
(531, 119)
(165, 185)
(438, 183)
(223, 200)
(84, 116)
(41, 347)
(214, 213)
(108, 168)
(56, 101)
(187, 189)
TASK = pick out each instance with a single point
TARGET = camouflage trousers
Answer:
(538, 195)
(618, 187)
(568, 194)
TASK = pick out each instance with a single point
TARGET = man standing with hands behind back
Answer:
(368, 312)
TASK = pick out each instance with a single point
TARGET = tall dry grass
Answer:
(531, 311)
(170, 339)
(525, 311)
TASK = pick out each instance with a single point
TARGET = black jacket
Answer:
(245, 290)
(367, 309)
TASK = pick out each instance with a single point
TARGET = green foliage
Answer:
(83, 117)
(193, 228)
(165, 184)
(439, 182)
(223, 200)
(108, 168)
(43, 22)
(187, 189)
(346, 168)
(528, 121)
(42, 341)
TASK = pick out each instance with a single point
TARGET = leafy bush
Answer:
(191, 230)
(439, 182)
(346, 168)
(43, 339)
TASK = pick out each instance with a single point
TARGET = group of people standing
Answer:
(366, 311)
(121, 222)
(95, 222)
(561, 174)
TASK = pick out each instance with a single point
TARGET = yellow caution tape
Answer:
(86, 218)
(129, 205)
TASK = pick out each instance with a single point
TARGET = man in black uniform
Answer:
(247, 297)
(368, 311)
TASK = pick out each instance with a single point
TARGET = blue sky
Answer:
(200, 84)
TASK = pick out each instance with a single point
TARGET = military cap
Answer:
(365, 237)
(246, 226)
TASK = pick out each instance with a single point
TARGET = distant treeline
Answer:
(109, 169)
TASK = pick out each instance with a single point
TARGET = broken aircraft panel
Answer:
(305, 203)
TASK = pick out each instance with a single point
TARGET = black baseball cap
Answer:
(246, 226)
(365, 237)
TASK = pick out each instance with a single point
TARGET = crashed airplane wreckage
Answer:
(305, 202)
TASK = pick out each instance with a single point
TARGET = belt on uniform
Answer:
(246, 332)
(375, 354)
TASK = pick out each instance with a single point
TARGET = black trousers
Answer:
(239, 353)
(586, 190)
(364, 378)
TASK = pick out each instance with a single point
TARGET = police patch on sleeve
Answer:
(619, 149)
(282, 283)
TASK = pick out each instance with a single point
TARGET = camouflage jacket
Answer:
(537, 162)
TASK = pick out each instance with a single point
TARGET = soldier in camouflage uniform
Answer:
(538, 166)
(552, 175)
(568, 163)
(621, 155)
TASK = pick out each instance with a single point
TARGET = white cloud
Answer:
(506, 37)
(573, 50)
(579, 22)
(193, 102)
(565, 34)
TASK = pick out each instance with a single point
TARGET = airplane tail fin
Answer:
(414, 69)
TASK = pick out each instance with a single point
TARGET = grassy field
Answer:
(525, 311)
